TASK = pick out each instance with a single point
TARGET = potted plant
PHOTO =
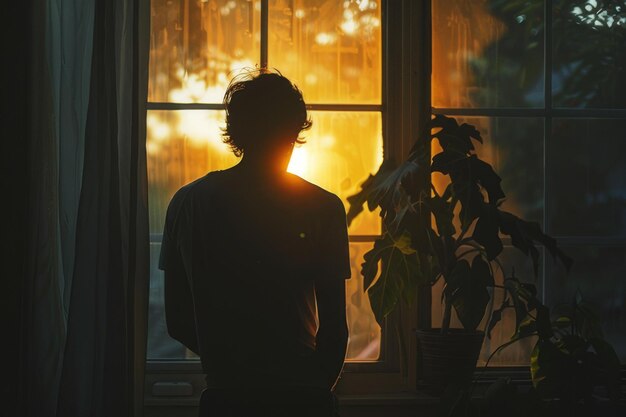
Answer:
(452, 233)
(570, 359)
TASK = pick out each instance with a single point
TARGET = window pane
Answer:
(182, 145)
(589, 63)
(518, 354)
(342, 149)
(586, 175)
(195, 45)
(364, 343)
(514, 147)
(330, 49)
(598, 272)
(487, 53)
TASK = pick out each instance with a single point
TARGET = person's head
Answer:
(264, 112)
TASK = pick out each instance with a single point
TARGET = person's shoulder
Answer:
(316, 195)
(200, 185)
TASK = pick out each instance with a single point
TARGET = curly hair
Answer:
(263, 107)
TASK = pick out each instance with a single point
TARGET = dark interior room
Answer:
(349, 208)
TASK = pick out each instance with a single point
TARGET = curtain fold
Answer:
(86, 288)
(97, 331)
(69, 36)
(43, 333)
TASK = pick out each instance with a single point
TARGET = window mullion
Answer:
(184, 106)
(547, 123)
(220, 106)
(264, 31)
(547, 51)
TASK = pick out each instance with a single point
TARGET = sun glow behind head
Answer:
(299, 162)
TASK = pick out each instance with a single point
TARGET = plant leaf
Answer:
(487, 178)
(521, 311)
(471, 199)
(550, 368)
(384, 295)
(455, 137)
(524, 234)
(487, 234)
(459, 276)
(368, 187)
(443, 212)
(391, 270)
(471, 131)
(496, 316)
(606, 354)
(527, 327)
(447, 162)
(544, 327)
(469, 294)
(404, 213)
(470, 305)
(481, 273)
(382, 193)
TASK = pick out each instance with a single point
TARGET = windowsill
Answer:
(194, 366)
(391, 399)
(191, 372)
(400, 398)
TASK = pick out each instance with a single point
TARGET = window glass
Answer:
(514, 148)
(365, 334)
(181, 145)
(487, 53)
(589, 63)
(342, 149)
(195, 45)
(587, 177)
(487, 57)
(598, 273)
(330, 49)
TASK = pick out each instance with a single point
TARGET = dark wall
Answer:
(14, 130)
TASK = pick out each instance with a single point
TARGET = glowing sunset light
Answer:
(299, 162)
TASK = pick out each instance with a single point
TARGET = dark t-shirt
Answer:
(252, 251)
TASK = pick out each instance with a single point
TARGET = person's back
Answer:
(248, 253)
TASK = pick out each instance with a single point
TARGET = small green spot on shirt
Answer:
(302, 235)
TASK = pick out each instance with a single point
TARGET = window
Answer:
(544, 81)
(331, 50)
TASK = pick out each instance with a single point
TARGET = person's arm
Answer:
(179, 309)
(330, 293)
(332, 335)
(179, 312)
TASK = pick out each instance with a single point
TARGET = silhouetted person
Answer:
(253, 257)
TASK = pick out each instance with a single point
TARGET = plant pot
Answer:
(448, 358)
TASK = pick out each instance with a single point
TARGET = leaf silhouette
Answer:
(391, 271)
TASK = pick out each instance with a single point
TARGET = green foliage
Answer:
(421, 243)
(570, 357)
(400, 276)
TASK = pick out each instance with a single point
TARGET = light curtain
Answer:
(86, 285)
